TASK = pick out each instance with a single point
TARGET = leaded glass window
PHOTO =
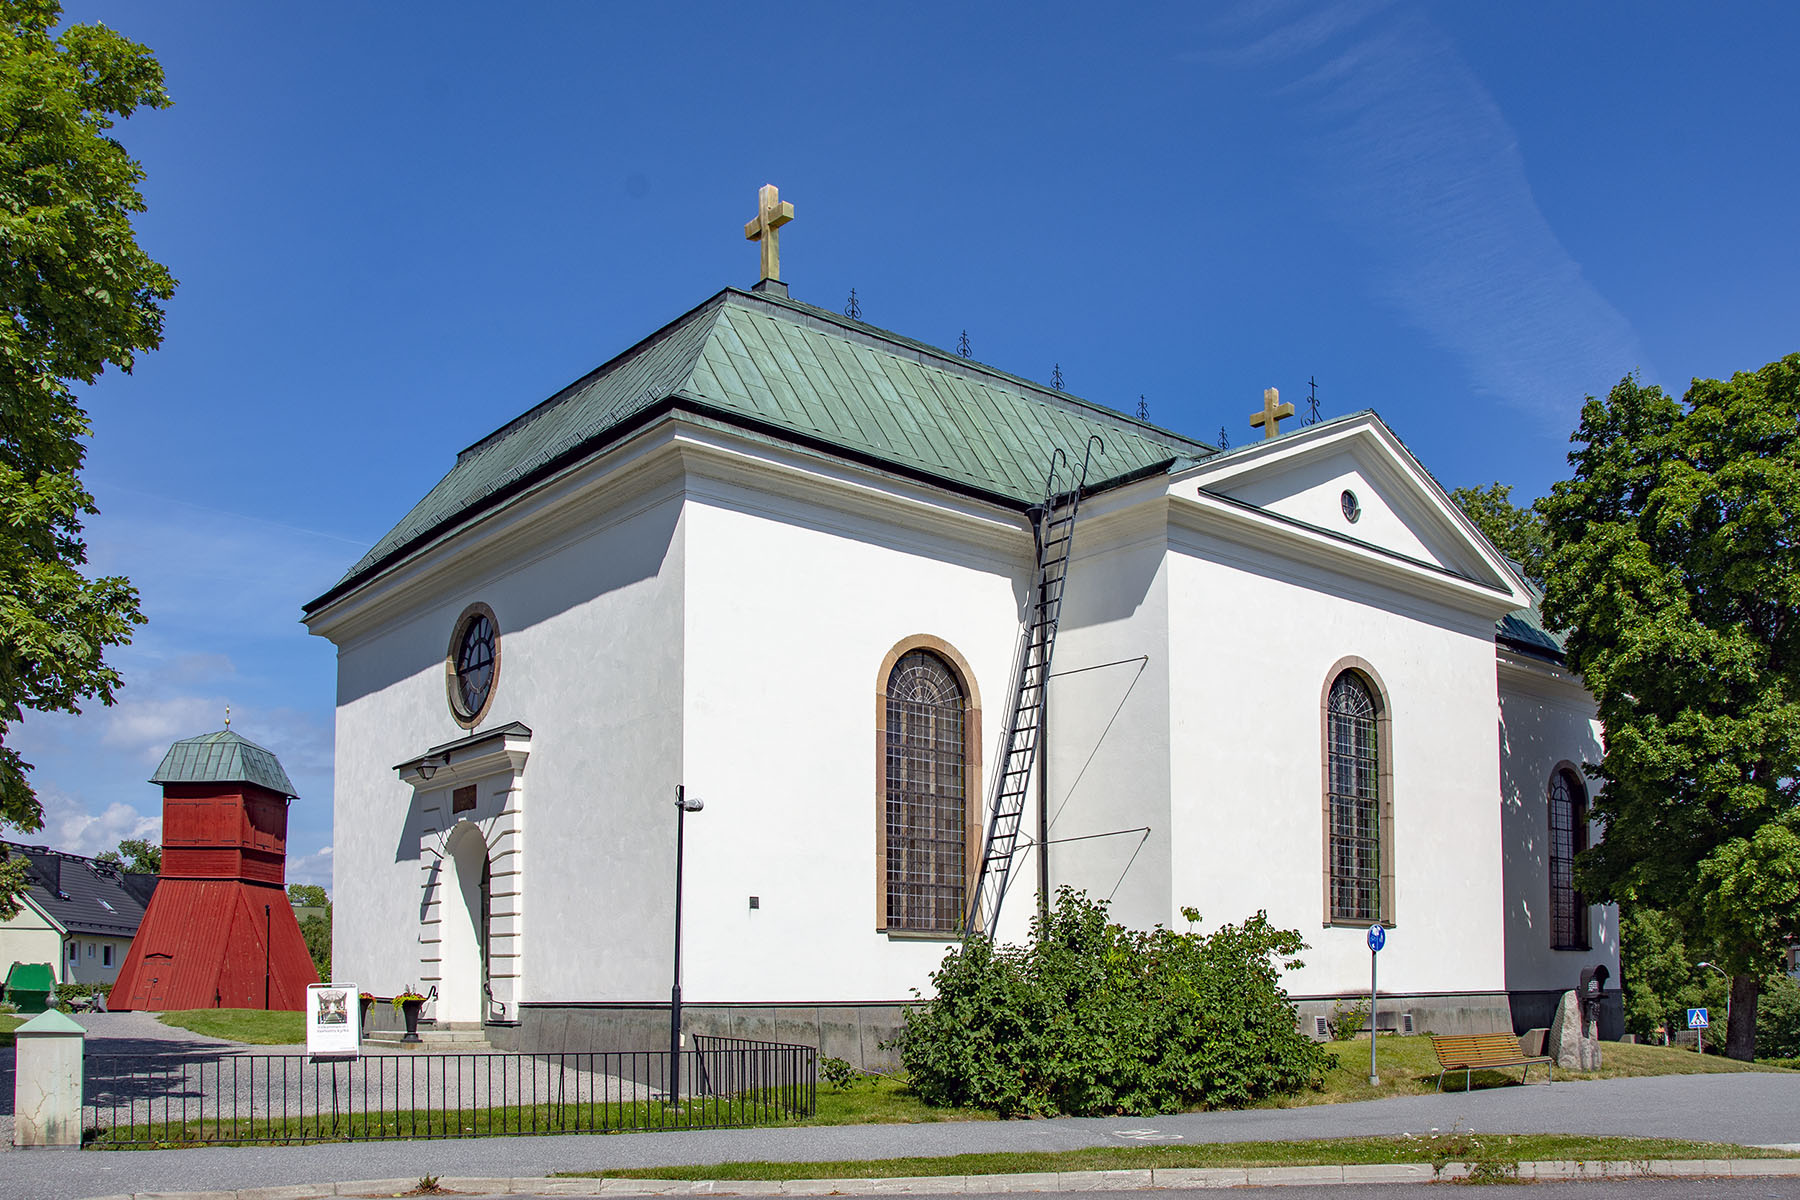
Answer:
(927, 795)
(1568, 837)
(1354, 800)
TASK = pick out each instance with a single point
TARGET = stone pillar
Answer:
(1564, 1043)
(47, 1087)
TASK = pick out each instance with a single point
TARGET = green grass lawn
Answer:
(1439, 1149)
(1408, 1066)
(8, 1023)
(251, 1025)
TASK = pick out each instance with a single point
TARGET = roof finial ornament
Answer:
(1312, 400)
(962, 345)
(1056, 379)
(1143, 408)
(772, 212)
(853, 309)
(228, 717)
(1273, 411)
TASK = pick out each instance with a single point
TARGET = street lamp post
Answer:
(683, 806)
(1727, 979)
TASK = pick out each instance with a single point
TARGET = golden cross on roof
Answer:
(1273, 410)
(772, 212)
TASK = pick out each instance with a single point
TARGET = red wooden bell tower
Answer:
(219, 932)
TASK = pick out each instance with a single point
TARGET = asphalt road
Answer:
(1748, 1109)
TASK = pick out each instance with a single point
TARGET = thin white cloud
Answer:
(1417, 159)
(81, 826)
(311, 868)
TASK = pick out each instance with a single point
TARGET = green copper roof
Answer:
(1524, 629)
(795, 372)
(222, 757)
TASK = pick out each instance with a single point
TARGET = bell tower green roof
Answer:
(223, 757)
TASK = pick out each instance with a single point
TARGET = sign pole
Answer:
(1374, 1079)
(1377, 939)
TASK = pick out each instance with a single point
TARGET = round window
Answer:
(474, 661)
(1352, 509)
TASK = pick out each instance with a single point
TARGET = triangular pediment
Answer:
(1352, 483)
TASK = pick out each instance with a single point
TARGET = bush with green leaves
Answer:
(70, 996)
(1778, 1018)
(1092, 1018)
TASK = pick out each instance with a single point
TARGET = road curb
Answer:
(1043, 1181)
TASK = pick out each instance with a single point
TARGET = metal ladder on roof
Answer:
(1053, 528)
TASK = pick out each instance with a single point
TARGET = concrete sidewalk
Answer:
(1747, 1109)
(1077, 1182)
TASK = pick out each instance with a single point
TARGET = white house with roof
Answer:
(804, 569)
(77, 914)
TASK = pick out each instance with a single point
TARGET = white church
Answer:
(812, 573)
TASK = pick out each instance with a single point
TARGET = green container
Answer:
(31, 987)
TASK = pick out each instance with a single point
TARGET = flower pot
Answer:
(410, 1010)
(367, 1002)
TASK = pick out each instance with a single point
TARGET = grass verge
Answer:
(1408, 1066)
(250, 1025)
(8, 1023)
(1437, 1149)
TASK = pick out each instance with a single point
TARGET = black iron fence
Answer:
(165, 1101)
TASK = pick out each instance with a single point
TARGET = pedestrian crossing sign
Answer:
(1697, 1019)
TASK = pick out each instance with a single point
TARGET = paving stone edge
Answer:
(1058, 1181)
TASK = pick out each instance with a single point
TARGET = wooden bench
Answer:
(1471, 1052)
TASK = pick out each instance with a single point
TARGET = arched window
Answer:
(1358, 808)
(928, 731)
(1568, 837)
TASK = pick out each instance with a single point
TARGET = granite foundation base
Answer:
(853, 1032)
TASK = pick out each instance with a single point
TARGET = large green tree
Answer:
(1516, 532)
(136, 855)
(78, 295)
(1675, 569)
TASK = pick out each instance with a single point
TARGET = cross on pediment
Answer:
(772, 212)
(1273, 410)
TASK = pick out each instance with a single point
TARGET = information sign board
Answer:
(333, 1020)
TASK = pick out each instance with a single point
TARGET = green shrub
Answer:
(836, 1072)
(1093, 1018)
(1347, 1019)
(68, 993)
(1778, 1018)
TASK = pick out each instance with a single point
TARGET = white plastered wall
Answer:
(791, 607)
(1253, 639)
(1108, 747)
(590, 660)
(1547, 719)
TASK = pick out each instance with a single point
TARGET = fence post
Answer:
(47, 1087)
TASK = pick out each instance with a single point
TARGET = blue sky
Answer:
(398, 226)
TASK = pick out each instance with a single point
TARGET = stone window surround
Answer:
(1384, 749)
(972, 791)
(452, 690)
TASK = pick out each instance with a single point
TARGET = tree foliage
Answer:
(316, 932)
(135, 854)
(1675, 568)
(1093, 1018)
(1516, 532)
(78, 295)
(306, 895)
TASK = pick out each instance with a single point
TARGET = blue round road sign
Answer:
(1377, 937)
